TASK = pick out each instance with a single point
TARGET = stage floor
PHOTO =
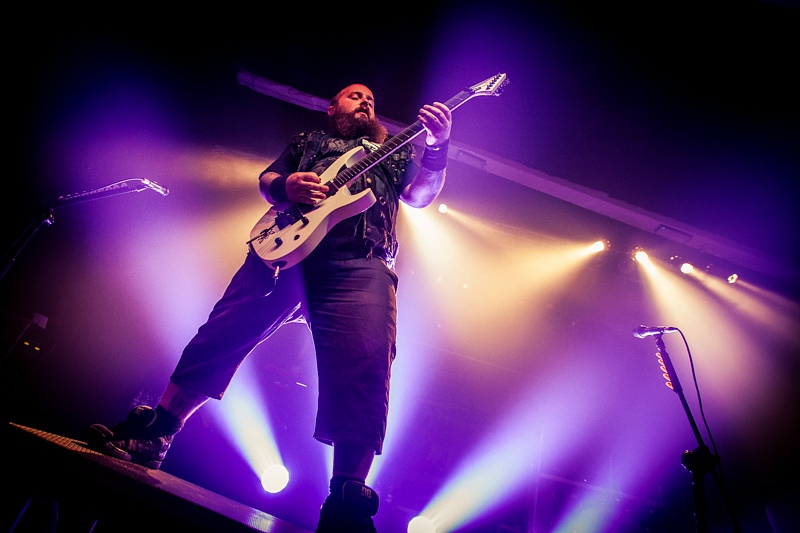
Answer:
(59, 484)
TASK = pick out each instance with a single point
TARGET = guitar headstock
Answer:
(490, 87)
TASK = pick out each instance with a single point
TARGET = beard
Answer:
(352, 126)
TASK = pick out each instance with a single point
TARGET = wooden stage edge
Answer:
(86, 490)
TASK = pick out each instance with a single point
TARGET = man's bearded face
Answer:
(351, 115)
(354, 124)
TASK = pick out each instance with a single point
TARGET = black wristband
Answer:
(435, 157)
(277, 189)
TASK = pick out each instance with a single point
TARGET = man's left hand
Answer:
(437, 119)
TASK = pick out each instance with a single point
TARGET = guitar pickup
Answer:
(284, 219)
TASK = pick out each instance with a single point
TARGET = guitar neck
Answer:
(370, 160)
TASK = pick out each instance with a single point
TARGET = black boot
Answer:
(349, 508)
(143, 438)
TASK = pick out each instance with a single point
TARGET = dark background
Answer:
(685, 110)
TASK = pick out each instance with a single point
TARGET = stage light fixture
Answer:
(443, 208)
(420, 524)
(686, 267)
(598, 246)
(641, 256)
(733, 278)
(274, 478)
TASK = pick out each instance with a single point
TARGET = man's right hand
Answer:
(305, 188)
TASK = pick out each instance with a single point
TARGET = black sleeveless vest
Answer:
(374, 231)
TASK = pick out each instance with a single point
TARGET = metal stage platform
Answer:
(53, 483)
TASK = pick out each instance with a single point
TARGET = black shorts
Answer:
(350, 307)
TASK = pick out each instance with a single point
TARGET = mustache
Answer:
(349, 126)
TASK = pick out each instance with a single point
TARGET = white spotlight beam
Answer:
(590, 199)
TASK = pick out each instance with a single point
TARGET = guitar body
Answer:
(284, 238)
(287, 246)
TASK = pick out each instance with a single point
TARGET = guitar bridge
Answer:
(284, 219)
(294, 214)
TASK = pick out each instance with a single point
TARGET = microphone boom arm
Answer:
(46, 217)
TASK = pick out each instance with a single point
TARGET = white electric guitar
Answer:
(284, 238)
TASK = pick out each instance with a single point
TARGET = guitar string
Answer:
(390, 146)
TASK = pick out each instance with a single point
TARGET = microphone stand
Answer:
(700, 461)
(45, 217)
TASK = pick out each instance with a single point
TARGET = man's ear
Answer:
(330, 110)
